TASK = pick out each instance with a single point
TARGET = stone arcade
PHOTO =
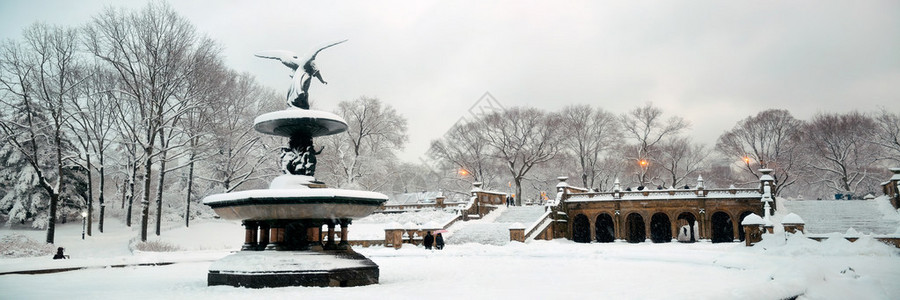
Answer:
(659, 215)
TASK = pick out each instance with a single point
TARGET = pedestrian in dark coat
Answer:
(428, 240)
(59, 254)
(439, 241)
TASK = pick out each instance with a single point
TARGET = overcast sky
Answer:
(712, 63)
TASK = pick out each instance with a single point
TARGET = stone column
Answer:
(344, 244)
(250, 228)
(648, 234)
(314, 235)
(617, 222)
(752, 235)
(276, 236)
(263, 235)
(329, 243)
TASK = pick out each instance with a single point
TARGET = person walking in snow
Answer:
(439, 241)
(508, 200)
(428, 240)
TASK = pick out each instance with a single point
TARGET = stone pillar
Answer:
(393, 236)
(752, 234)
(705, 229)
(792, 223)
(617, 222)
(263, 235)
(314, 235)
(892, 188)
(276, 236)
(648, 233)
(250, 231)
(517, 233)
(753, 229)
(344, 244)
(329, 243)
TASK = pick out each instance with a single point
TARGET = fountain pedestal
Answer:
(284, 243)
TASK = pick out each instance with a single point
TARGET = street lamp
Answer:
(747, 160)
(463, 172)
(83, 223)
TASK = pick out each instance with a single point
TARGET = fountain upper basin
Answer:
(290, 121)
(272, 204)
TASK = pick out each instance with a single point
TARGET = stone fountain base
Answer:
(322, 268)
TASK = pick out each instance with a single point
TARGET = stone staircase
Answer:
(825, 216)
(493, 229)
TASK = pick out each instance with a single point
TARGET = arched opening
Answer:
(660, 228)
(581, 229)
(606, 229)
(687, 230)
(722, 230)
(741, 227)
(634, 225)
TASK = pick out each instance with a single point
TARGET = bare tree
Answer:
(40, 76)
(239, 153)
(769, 140)
(521, 138)
(645, 125)
(464, 150)
(91, 119)
(887, 134)
(842, 149)
(588, 134)
(376, 131)
(154, 51)
(680, 159)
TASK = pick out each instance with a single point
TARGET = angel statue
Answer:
(298, 94)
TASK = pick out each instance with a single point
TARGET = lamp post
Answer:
(83, 223)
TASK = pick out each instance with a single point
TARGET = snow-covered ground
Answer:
(777, 268)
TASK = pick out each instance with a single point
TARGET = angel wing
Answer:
(313, 57)
(287, 58)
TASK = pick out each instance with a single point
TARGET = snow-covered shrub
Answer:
(156, 246)
(17, 245)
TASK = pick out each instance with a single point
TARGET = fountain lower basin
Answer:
(272, 204)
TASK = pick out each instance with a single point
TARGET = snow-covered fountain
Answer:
(284, 243)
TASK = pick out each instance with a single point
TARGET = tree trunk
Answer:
(159, 190)
(90, 195)
(145, 199)
(51, 225)
(518, 181)
(190, 185)
(130, 194)
(100, 196)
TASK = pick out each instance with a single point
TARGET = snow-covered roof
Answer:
(665, 195)
(792, 218)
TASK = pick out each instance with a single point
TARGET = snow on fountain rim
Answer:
(297, 113)
(293, 193)
(282, 261)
